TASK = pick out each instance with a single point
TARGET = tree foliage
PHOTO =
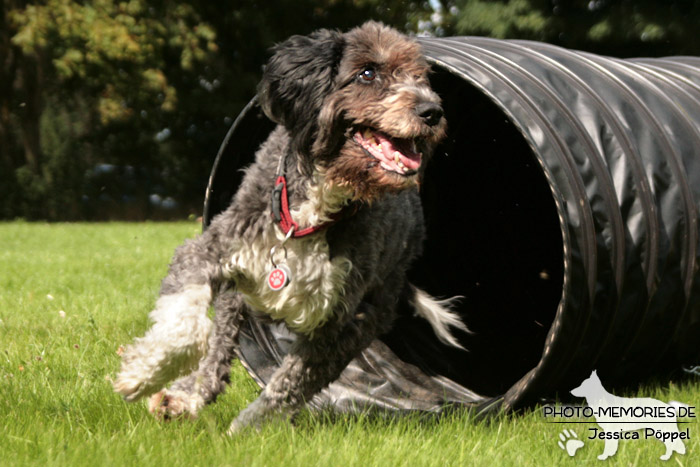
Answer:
(614, 27)
(80, 74)
(108, 107)
(91, 46)
(116, 108)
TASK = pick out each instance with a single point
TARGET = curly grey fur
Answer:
(309, 80)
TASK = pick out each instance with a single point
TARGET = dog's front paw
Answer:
(236, 427)
(154, 360)
(259, 412)
(135, 379)
(167, 404)
(130, 386)
(250, 417)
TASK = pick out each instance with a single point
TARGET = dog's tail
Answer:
(439, 314)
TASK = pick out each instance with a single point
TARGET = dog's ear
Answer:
(296, 80)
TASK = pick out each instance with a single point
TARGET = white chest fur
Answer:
(316, 289)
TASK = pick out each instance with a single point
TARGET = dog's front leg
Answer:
(311, 365)
(178, 337)
(189, 394)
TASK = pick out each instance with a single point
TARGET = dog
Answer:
(319, 235)
(651, 415)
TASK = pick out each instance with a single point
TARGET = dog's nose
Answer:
(430, 112)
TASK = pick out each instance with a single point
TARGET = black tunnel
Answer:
(562, 208)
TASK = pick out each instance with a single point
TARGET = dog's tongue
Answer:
(398, 151)
(394, 154)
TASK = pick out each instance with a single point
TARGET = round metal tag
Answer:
(279, 277)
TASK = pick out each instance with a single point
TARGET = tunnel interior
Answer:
(493, 238)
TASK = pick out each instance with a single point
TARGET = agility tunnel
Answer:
(563, 208)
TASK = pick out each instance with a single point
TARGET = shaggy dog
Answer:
(319, 235)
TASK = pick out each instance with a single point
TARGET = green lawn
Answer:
(71, 294)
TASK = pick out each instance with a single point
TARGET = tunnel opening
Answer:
(493, 238)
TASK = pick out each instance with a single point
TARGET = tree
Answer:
(614, 27)
(90, 89)
(101, 63)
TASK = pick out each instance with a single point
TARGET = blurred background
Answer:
(115, 109)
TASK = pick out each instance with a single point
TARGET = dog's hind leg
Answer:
(181, 327)
(187, 395)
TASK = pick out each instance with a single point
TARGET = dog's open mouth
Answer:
(394, 154)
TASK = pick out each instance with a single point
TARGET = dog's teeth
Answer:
(397, 157)
(367, 134)
(404, 168)
(401, 166)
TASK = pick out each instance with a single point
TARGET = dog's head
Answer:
(357, 104)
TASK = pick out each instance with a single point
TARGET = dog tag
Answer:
(279, 277)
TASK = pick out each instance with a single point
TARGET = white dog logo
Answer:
(618, 416)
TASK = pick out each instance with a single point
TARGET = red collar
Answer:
(281, 214)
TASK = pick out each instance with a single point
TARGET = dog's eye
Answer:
(368, 74)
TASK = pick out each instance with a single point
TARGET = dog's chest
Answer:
(315, 290)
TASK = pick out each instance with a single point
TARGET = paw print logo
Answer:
(569, 442)
(277, 279)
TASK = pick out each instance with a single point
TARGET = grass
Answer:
(70, 294)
